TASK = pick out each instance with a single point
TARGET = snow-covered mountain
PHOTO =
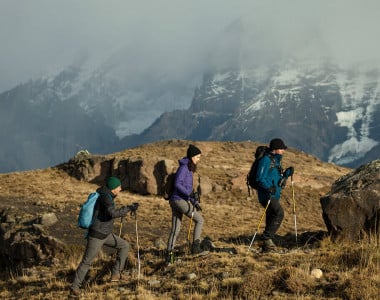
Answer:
(46, 121)
(255, 87)
(324, 110)
(318, 108)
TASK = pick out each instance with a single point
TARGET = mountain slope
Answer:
(42, 126)
(231, 218)
(46, 121)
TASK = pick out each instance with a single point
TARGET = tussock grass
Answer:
(350, 270)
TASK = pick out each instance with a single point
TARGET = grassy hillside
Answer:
(231, 218)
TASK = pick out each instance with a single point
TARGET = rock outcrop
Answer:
(24, 242)
(352, 208)
(139, 175)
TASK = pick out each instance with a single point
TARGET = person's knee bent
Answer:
(201, 221)
(198, 218)
(123, 246)
(280, 214)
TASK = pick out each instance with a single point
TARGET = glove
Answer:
(133, 207)
(197, 206)
(195, 196)
(289, 172)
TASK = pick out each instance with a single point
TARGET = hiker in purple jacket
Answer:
(184, 201)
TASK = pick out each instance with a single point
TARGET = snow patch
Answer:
(221, 77)
(348, 118)
(351, 150)
(287, 77)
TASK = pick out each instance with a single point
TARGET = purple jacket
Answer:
(183, 184)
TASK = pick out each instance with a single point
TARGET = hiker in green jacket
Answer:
(100, 233)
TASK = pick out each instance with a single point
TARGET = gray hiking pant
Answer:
(180, 208)
(93, 247)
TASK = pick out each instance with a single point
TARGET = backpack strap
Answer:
(101, 194)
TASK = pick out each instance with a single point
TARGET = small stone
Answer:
(154, 282)
(316, 273)
(160, 244)
(224, 275)
(48, 219)
(191, 276)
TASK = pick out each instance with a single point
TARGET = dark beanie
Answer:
(277, 144)
(192, 151)
(113, 183)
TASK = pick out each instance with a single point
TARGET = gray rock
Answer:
(27, 245)
(352, 207)
(48, 219)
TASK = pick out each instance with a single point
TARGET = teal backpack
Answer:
(86, 212)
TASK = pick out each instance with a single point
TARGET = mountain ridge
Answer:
(310, 110)
(318, 108)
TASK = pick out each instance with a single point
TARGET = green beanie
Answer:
(113, 183)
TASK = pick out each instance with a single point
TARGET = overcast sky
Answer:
(39, 37)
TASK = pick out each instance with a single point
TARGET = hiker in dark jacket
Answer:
(184, 201)
(100, 233)
(271, 181)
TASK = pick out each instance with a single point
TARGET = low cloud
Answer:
(41, 36)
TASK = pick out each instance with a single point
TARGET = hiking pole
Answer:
(294, 209)
(189, 230)
(121, 226)
(138, 247)
(258, 227)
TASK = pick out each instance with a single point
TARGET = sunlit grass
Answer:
(350, 270)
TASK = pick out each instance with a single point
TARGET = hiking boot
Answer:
(196, 247)
(118, 278)
(74, 293)
(207, 244)
(269, 246)
(269, 243)
(170, 259)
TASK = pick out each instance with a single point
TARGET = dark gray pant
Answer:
(273, 218)
(180, 208)
(93, 247)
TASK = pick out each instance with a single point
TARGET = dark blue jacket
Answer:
(183, 184)
(269, 176)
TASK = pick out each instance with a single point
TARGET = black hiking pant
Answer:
(273, 218)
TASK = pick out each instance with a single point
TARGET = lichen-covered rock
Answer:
(352, 208)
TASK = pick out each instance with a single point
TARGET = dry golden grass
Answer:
(350, 271)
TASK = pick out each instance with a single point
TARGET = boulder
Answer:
(352, 208)
(139, 175)
(88, 167)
